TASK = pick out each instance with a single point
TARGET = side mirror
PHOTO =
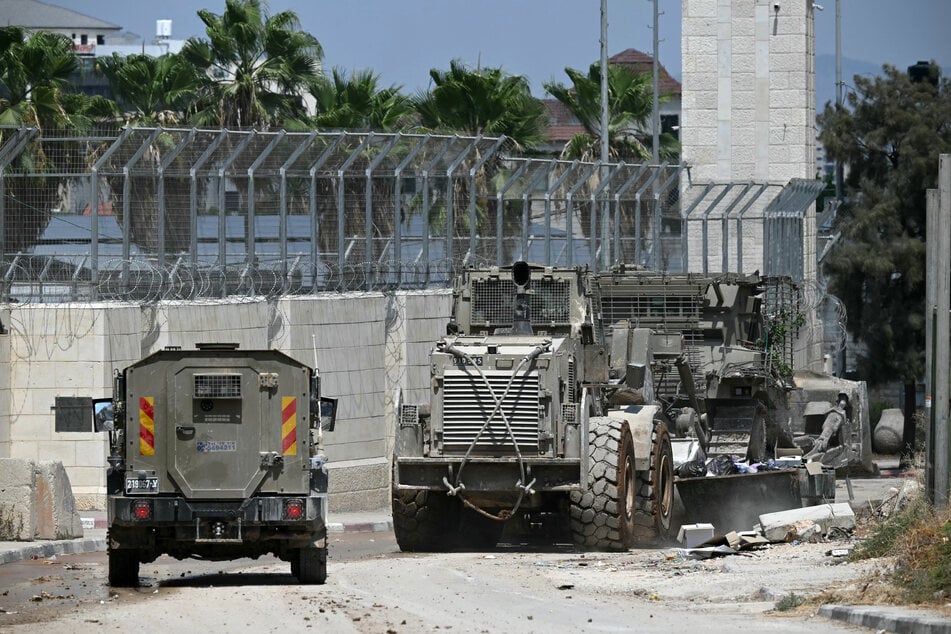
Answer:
(103, 414)
(328, 413)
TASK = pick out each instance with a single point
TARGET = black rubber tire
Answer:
(123, 568)
(311, 566)
(655, 492)
(424, 521)
(602, 516)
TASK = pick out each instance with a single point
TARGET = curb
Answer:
(893, 619)
(49, 549)
(360, 527)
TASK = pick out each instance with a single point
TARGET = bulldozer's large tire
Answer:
(655, 491)
(602, 515)
(123, 568)
(310, 565)
(424, 521)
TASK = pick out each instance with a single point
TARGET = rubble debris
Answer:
(691, 535)
(776, 526)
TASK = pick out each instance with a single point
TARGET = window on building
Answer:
(84, 39)
(100, 39)
(670, 123)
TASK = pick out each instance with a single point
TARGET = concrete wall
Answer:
(367, 346)
(748, 90)
(749, 115)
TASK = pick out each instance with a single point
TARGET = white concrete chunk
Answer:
(776, 526)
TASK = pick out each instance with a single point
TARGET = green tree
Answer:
(257, 67)
(486, 101)
(158, 89)
(358, 103)
(888, 134)
(35, 75)
(630, 106)
(34, 72)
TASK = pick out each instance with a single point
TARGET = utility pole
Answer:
(656, 122)
(605, 155)
(838, 88)
(938, 350)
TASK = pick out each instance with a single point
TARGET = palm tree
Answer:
(258, 67)
(486, 101)
(35, 73)
(358, 103)
(630, 105)
(159, 89)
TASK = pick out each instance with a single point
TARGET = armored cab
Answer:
(215, 453)
(516, 421)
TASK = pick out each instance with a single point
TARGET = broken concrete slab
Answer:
(776, 526)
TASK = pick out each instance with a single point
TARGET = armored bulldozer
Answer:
(529, 415)
(740, 395)
(215, 453)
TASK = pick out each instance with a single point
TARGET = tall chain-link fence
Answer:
(157, 213)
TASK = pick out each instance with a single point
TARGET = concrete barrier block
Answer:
(17, 509)
(56, 513)
(889, 432)
(776, 526)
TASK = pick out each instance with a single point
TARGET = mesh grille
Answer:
(493, 300)
(467, 404)
(568, 413)
(217, 386)
(409, 416)
(655, 306)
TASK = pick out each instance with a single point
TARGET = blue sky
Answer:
(402, 39)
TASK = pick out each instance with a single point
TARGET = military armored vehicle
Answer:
(530, 415)
(215, 454)
(741, 396)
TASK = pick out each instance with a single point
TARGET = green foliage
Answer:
(919, 538)
(790, 601)
(255, 67)
(358, 103)
(35, 70)
(630, 106)
(885, 537)
(158, 89)
(486, 101)
(780, 329)
(889, 135)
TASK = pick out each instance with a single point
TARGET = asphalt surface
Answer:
(865, 492)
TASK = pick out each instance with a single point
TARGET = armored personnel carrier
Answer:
(522, 420)
(215, 454)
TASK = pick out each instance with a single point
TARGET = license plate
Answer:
(141, 485)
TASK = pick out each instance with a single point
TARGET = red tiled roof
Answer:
(643, 63)
(563, 125)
